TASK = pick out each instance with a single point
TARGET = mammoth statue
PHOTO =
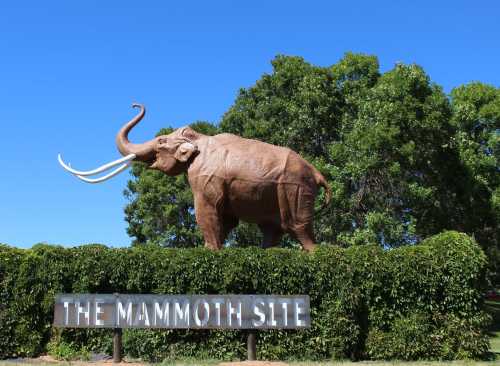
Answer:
(232, 179)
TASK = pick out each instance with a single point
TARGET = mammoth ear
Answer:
(189, 133)
(185, 151)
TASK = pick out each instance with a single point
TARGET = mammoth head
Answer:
(170, 153)
(174, 151)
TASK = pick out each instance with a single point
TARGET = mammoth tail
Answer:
(321, 181)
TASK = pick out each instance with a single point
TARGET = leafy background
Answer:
(404, 160)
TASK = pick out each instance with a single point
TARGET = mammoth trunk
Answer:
(144, 151)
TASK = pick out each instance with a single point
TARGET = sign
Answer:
(182, 311)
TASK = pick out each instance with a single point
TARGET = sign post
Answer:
(117, 345)
(252, 345)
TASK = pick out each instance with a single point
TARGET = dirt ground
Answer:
(49, 361)
(253, 363)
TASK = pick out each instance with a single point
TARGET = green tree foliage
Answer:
(296, 106)
(392, 161)
(477, 120)
(404, 160)
(414, 302)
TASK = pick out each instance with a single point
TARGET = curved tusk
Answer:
(97, 170)
(107, 176)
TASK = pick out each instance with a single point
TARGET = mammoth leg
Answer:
(298, 213)
(228, 223)
(210, 222)
(305, 234)
(208, 194)
(272, 235)
(211, 226)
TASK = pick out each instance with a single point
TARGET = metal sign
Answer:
(182, 311)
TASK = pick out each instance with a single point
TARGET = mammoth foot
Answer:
(309, 248)
(213, 246)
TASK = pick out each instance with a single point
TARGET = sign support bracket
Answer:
(252, 345)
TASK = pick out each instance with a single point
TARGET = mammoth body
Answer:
(232, 178)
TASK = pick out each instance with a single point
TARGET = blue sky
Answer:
(69, 71)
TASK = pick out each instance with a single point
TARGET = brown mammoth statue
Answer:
(232, 179)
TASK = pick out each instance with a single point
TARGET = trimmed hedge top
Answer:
(423, 301)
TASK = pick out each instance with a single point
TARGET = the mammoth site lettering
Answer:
(182, 311)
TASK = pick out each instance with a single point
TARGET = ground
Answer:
(260, 363)
(493, 307)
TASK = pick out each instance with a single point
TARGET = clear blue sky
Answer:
(69, 71)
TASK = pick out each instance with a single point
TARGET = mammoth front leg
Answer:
(210, 221)
(212, 227)
(229, 223)
(272, 234)
(208, 194)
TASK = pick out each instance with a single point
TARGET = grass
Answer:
(331, 363)
(395, 363)
(493, 307)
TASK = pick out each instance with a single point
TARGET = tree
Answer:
(404, 160)
(381, 141)
(394, 162)
(296, 106)
(476, 116)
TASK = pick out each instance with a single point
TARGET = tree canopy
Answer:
(404, 159)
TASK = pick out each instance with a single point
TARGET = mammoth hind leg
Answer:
(272, 234)
(305, 234)
(297, 212)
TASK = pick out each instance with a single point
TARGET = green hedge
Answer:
(417, 302)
